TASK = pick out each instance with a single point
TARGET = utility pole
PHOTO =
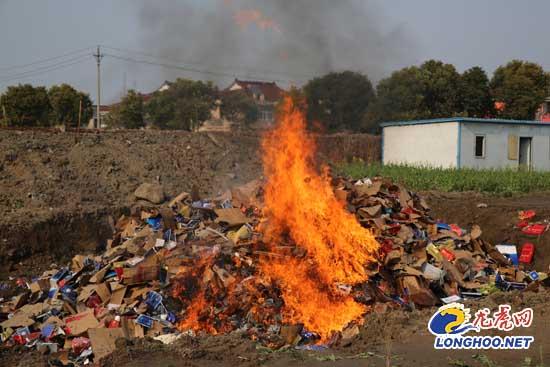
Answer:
(4, 116)
(79, 121)
(98, 56)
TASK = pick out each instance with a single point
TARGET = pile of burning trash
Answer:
(198, 266)
(297, 259)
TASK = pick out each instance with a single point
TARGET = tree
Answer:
(128, 113)
(428, 91)
(239, 107)
(522, 86)
(65, 105)
(339, 100)
(475, 94)
(399, 97)
(441, 88)
(184, 106)
(26, 105)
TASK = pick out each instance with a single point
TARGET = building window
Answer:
(266, 115)
(480, 146)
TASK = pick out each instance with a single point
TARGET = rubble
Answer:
(150, 192)
(191, 266)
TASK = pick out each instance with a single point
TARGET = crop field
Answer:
(497, 181)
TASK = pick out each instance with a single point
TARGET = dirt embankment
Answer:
(57, 189)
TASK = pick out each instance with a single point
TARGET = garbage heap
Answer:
(190, 266)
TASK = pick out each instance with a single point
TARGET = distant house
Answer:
(165, 86)
(543, 113)
(265, 94)
(104, 111)
(462, 142)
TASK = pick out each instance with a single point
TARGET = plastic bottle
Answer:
(115, 323)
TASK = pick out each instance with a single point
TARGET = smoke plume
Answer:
(289, 41)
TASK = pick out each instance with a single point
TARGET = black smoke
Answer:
(295, 40)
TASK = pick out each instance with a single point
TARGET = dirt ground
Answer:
(390, 338)
(58, 191)
(498, 219)
(393, 338)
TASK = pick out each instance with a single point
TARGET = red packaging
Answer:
(79, 344)
(526, 214)
(119, 273)
(20, 339)
(523, 224)
(456, 229)
(387, 246)
(447, 254)
(115, 323)
(94, 301)
(527, 253)
(534, 229)
(394, 228)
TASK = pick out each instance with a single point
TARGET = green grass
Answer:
(497, 181)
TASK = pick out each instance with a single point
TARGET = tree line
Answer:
(348, 101)
(338, 101)
(184, 106)
(26, 105)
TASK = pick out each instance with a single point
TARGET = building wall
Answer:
(423, 144)
(496, 145)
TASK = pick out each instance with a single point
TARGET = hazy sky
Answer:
(386, 34)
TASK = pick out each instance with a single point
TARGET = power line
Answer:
(232, 68)
(46, 69)
(188, 69)
(45, 60)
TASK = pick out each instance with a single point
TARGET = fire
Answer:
(300, 205)
(316, 251)
(191, 290)
(243, 18)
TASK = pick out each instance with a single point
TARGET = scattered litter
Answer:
(526, 214)
(509, 251)
(527, 253)
(536, 229)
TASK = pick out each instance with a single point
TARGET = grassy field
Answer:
(501, 181)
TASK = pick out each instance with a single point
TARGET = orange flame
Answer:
(243, 18)
(301, 205)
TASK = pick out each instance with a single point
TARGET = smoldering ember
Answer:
(295, 260)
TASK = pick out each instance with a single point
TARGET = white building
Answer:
(461, 142)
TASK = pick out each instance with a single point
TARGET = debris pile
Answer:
(194, 266)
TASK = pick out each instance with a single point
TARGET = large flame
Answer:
(300, 205)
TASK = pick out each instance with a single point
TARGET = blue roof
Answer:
(464, 119)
